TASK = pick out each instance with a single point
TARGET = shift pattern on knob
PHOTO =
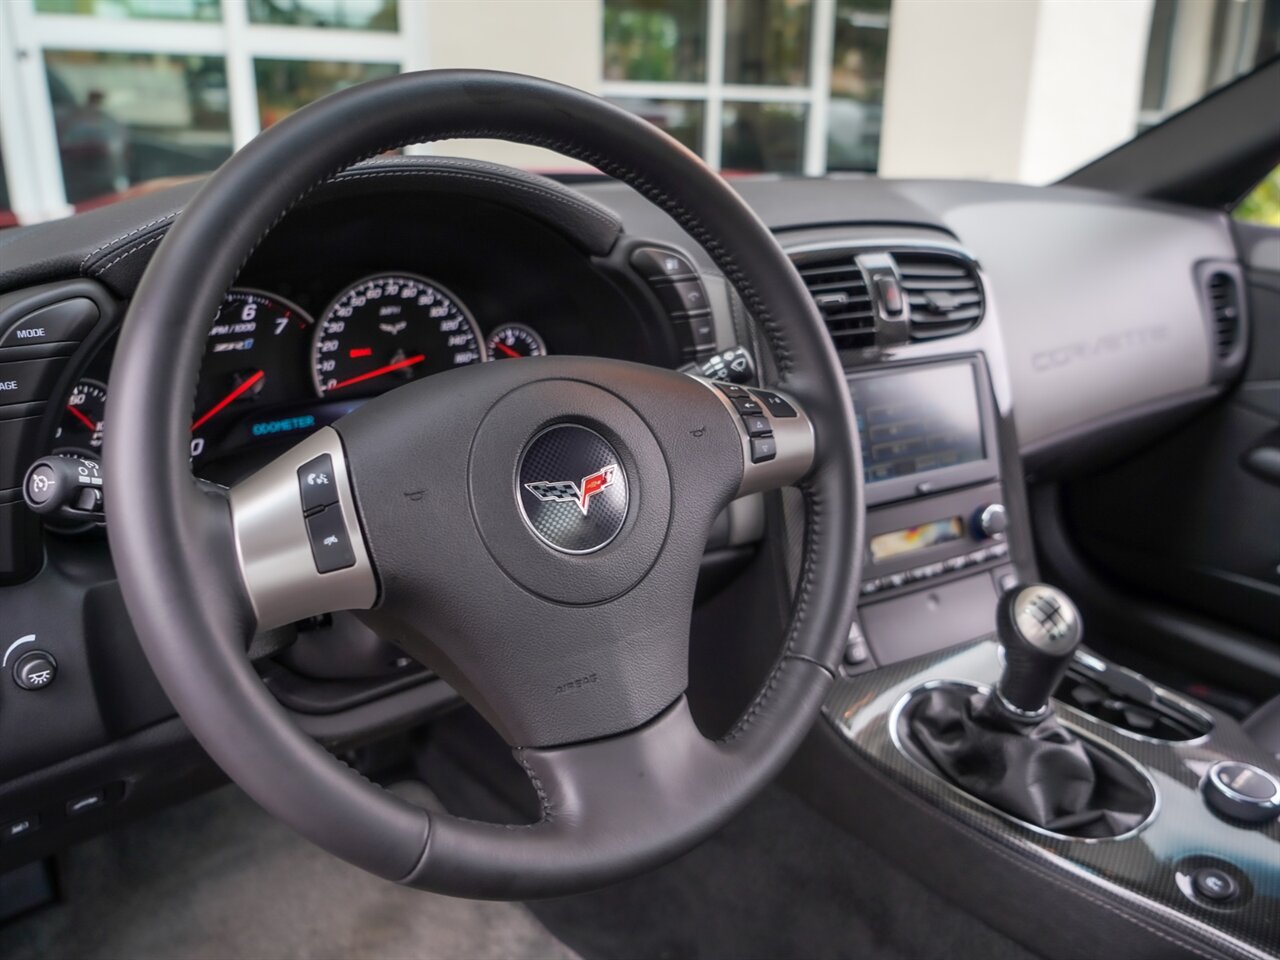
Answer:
(1039, 629)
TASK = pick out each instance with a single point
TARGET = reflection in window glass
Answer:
(136, 9)
(858, 59)
(286, 85)
(767, 42)
(126, 118)
(680, 118)
(763, 137)
(345, 14)
(655, 40)
(6, 205)
(1262, 205)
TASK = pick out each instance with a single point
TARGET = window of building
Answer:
(791, 86)
(117, 94)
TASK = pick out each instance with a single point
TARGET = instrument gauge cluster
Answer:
(273, 373)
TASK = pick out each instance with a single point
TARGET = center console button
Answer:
(1242, 791)
(1215, 884)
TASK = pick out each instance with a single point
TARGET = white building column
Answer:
(556, 39)
(1023, 90)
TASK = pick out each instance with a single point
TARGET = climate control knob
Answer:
(990, 521)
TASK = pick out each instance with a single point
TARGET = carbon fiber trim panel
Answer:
(1148, 870)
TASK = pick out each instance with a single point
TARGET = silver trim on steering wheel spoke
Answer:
(793, 437)
(277, 564)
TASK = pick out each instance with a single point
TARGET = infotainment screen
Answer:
(918, 420)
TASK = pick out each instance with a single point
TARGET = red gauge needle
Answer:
(82, 418)
(399, 365)
(217, 407)
(505, 349)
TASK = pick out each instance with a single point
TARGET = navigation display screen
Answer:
(918, 420)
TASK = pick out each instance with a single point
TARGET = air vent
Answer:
(840, 291)
(1224, 305)
(944, 292)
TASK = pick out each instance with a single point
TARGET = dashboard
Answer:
(404, 268)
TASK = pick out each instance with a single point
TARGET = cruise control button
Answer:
(317, 484)
(25, 380)
(758, 426)
(776, 406)
(746, 406)
(58, 322)
(763, 449)
(330, 546)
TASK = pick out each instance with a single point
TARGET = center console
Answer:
(1066, 800)
(937, 523)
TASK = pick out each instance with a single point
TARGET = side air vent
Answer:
(944, 292)
(1224, 307)
(840, 291)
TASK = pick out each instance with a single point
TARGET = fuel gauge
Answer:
(514, 340)
(80, 427)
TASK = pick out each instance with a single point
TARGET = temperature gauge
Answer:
(514, 340)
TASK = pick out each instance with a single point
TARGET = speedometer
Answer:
(390, 329)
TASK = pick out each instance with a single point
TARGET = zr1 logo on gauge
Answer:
(388, 330)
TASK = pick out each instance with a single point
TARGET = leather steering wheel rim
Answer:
(613, 806)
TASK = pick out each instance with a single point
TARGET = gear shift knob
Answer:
(1039, 629)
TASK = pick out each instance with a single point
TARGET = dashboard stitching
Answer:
(98, 271)
(513, 183)
(125, 236)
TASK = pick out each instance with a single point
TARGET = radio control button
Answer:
(746, 406)
(776, 406)
(757, 426)
(763, 449)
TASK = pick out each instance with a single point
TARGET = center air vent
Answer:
(944, 292)
(840, 291)
(1224, 305)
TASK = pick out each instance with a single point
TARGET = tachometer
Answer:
(390, 329)
(253, 361)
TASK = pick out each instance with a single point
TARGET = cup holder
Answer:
(1130, 703)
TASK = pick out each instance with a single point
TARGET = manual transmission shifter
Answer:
(1006, 746)
(1039, 630)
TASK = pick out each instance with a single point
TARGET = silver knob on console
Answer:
(990, 520)
(1242, 791)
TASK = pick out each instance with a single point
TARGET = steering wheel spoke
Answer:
(776, 435)
(298, 537)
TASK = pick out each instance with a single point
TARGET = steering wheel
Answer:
(575, 495)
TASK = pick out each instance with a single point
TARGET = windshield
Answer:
(103, 98)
